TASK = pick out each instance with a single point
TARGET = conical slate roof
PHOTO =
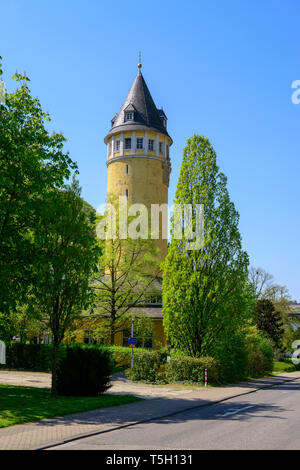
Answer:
(140, 102)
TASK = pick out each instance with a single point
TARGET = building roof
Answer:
(294, 310)
(150, 312)
(140, 102)
(154, 312)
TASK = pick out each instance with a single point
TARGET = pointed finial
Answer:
(140, 60)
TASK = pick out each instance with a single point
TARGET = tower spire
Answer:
(140, 60)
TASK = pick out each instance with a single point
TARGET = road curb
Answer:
(147, 420)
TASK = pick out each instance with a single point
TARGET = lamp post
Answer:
(132, 328)
(2, 353)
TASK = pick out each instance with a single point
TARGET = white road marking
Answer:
(234, 412)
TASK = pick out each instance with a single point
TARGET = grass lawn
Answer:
(282, 366)
(23, 404)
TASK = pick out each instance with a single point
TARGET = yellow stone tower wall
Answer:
(147, 176)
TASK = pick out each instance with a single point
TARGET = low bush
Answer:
(121, 355)
(192, 369)
(84, 371)
(146, 366)
(232, 357)
(260, 353)
(38, 357)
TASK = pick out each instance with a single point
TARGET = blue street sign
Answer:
(132, 340)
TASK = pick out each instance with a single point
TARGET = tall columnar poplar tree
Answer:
(204, 291)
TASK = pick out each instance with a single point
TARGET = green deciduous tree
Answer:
(32, 163)
(269, 320)
(68, 253)
(205, 291)
(264, 288)
(24, 322)
(128, 271)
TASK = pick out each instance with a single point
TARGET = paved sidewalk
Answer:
(167, 401)
(26, 379)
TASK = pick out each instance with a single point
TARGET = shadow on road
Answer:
(171, 410)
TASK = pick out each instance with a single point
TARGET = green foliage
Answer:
(145, 367)
(232, 356)
(24, 322)
(68, 253)
(246, 353)
(269, 321)
(122, 356)
(32, 165)
(284, 366)
(205, 292)
(47, 244)
(128, 272)
(90, 212)
(68, 257)
(84, 371)
(151, 366)
(290, 335)
(38, 357)
(143, 329)
(192, 369)
(260, 353)
(33, 357)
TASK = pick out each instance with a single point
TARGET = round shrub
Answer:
(84, 371)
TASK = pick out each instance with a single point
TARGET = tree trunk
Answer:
(112, 336)
(112, 328)
(54, 369)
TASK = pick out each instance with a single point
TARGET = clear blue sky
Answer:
(219, 68)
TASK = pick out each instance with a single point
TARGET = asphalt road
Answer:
(267, 419)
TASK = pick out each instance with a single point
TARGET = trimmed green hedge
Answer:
(38, 357)
(192, 369)
(151, 366)
(145, 366)
(233, 363)
(122, 355)
(33, 357)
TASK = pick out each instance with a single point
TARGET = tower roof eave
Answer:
(146, 114)
(134, 127)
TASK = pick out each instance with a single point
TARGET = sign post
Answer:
(132, 341)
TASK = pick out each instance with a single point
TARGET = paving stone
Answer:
(161, 402)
